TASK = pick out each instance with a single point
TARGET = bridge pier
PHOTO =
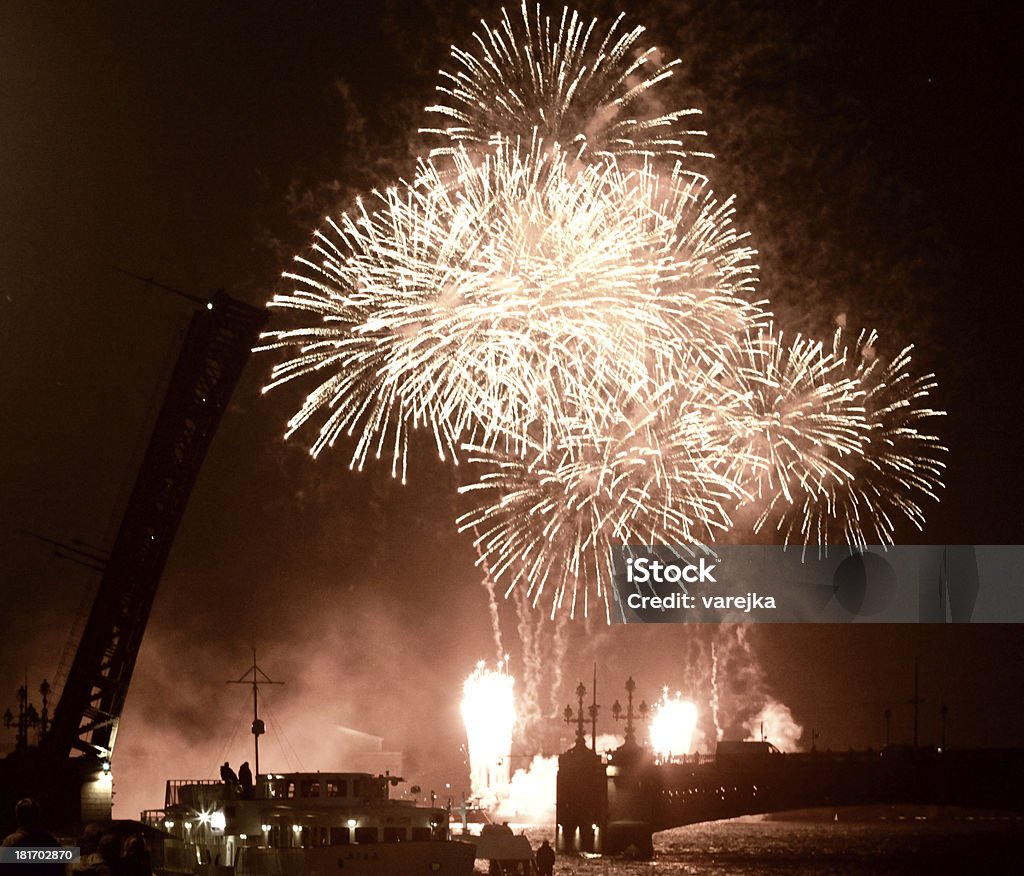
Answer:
(630, 778)
(581, 802)
(606, 808)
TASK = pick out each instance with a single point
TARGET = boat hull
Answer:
(449, 858)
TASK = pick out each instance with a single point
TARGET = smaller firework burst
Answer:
(596, 96)
(644, 469)
(900, 462)
(800, 421)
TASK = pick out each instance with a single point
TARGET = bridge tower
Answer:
(581, 804)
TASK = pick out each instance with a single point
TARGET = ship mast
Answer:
(258, 677)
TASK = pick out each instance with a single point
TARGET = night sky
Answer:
(870, 149)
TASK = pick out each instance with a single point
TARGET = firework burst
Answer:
(552, 299)
(594, 95)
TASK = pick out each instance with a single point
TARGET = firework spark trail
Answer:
(492, 605)
(595, 96)
(696, 680)
(543, 659)
(714, 692)
(559, 647)
(530, 717)
(745, 689)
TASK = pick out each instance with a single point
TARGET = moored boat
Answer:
(309, 824)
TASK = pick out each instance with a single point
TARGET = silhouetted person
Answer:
(110, 852)
(230, 780)
(135, 860)
(31, 832)
(546, 859)
(245, 779)
(91, 862)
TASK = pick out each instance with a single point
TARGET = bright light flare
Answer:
(672, 725)
(489, 714)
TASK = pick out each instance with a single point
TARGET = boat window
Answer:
(291, 790)
(332, 789)
(310, 789)
(356, 787)
(366, 834)
(394, 834)
(340, 836)
(421, 833)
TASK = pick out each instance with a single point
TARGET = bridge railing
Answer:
(694, 759)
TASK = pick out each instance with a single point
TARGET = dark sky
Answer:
(870, 148)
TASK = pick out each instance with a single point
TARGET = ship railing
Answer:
(194, 793)
(153, 818)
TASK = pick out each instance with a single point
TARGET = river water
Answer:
(823, 848)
